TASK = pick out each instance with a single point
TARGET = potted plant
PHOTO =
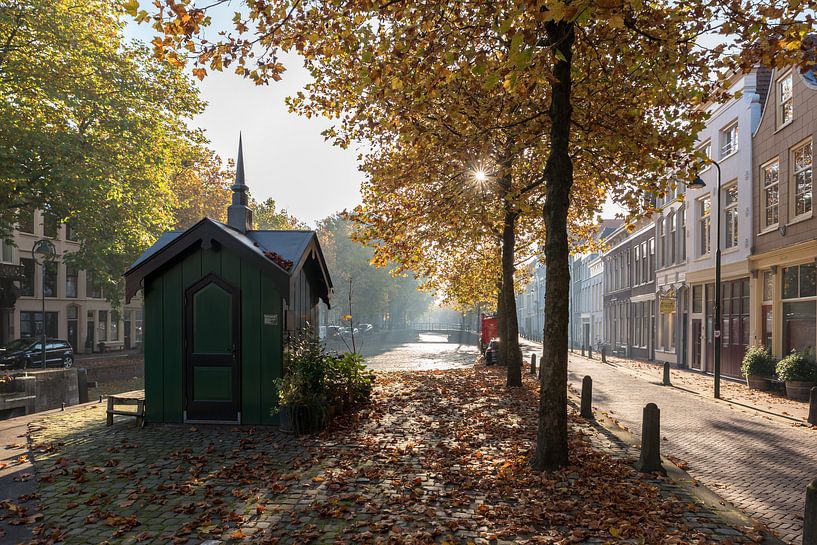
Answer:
(758, 367)
(302, 400)
(799, 371)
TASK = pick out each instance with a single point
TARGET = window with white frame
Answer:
(729, 139)
(7, 254)
(730, 213)
(705, 149)
(770, 175)
(785, 103)
(671, 239)
(802, 175)
(682, 227)
(704, 225)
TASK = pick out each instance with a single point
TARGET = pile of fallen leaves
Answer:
(437, 457)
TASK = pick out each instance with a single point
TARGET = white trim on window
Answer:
(770, 194)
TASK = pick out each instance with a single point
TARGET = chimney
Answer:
(239, 215)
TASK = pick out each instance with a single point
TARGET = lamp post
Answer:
(43, 253)
(698, 183)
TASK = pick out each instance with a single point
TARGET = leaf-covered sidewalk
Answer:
(438, 457)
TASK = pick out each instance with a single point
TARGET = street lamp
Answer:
(698, 183)
(43, 253)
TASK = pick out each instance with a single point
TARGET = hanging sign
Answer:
(667, 305)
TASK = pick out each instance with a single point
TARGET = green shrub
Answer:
(304, 380)
(798, 366)
(314, 378)
(757, 362)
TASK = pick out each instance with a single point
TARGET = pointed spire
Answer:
(239, 215)
(239, 167)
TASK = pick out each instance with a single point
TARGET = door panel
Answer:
(212, 353)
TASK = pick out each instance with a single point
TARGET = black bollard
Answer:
(587, 397)
(533, 364)
(650, 459)
(603, 354)
(590, 351)
(810, 515)
(812, 407)
(666, 381)
(582, 350)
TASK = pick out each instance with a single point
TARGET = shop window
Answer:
(799, 320)
(31, 324)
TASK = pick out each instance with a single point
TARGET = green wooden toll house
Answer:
(220, 302)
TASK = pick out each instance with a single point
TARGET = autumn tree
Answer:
(200, 187)
(376, 291)
(267, 216)
(91, 128)
(617, 82)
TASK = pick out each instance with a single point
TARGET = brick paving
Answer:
(422, 466)
(760, 463)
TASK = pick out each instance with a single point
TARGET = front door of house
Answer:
(697, 333)
(212, 356)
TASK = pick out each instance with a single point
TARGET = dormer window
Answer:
(729, 140)
(785, 104)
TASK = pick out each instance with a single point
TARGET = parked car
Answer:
(332, 331)
(25, 353)
(365, 329)
(491, 352)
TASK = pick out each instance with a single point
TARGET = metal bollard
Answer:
(650, 459)
(582, 350)
(603, 354)
(587, 397)
(533, 364)
(63, 406)
(100, 398)
(590, 352)
(812, 406)
(666, 381)
(810, 515)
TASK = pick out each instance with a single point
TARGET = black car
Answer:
(28, 353)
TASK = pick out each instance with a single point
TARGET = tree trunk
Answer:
(513, 354)
(500, 326)
(551, 438)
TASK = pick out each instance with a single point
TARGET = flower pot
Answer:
(756, 382)
(798, 389)
(285, 419)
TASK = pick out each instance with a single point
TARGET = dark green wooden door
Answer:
(212, 351)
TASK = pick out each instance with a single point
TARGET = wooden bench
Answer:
(127, 398)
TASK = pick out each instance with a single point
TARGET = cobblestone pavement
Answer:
(438, 457)
(433, 353)
(760, 463)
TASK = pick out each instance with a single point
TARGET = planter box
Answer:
(758, 383)
(798, 390)
(301, 419)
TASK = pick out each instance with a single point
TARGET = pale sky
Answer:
(285, 156)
